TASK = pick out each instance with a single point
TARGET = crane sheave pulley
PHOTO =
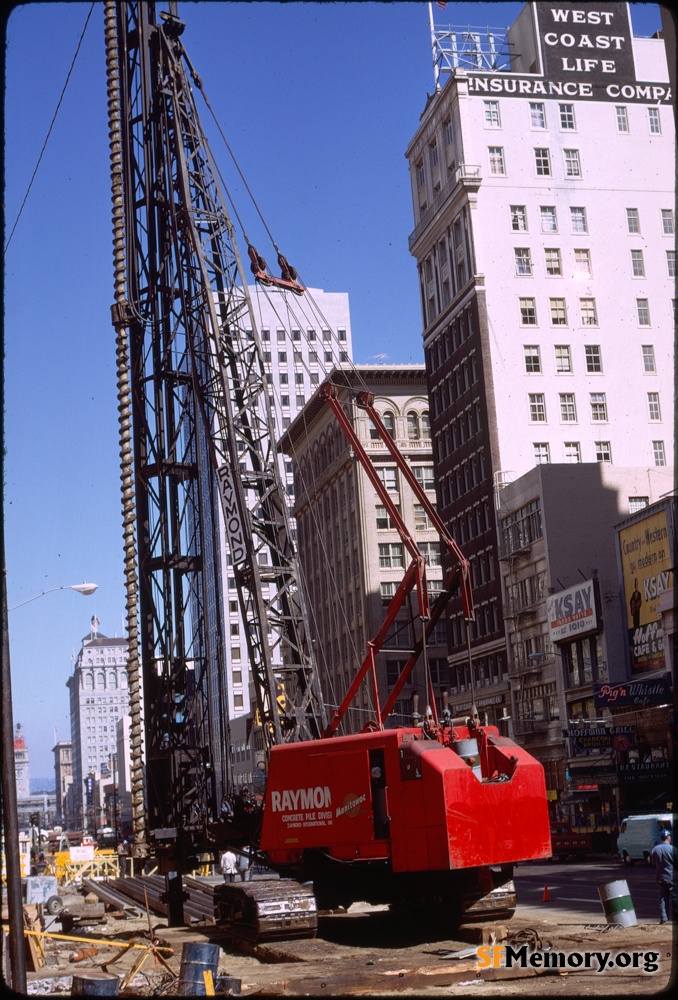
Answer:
(203, 439)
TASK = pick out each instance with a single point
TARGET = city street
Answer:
(573, 887)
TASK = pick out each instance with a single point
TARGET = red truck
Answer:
(565, 842)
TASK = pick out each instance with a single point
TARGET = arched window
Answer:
(389, 423)
(89, 682)
(112, 680)
(412, 426)
(425, 425)
(101, 680)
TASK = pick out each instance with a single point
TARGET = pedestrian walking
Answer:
(229, 866)
(663, 857)
(123, 854)
(245, 865)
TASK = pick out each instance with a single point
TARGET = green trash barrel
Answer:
(617, 903)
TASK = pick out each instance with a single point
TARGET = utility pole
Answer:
(17, 949)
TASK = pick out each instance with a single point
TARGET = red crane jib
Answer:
(425, 808)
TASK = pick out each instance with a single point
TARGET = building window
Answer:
(637, 264)
(537, 115)
(280, 334)
(594, 359)
(649, 364)
(422, 521)
(568, 408)
(622, 119)
(497, 160)
(382, 517)
(390, 555)
(528, 312)
(632, 221)
(563, 359)
(310, 334)
(425, 426)
(421, 176)
(301, 399)
(582, 261)
(603, 451)
(567, 116)
(389, 423)
(285, 400)
(638, 503)
(518, 218)
(389, 477)
(554, 266)
(653, 406)
(433, 154)
(667, 221)
(558, 312)
(542, 162)
(387, 591)
(572, 164)
(654, 121)
(328, 357)
(643, 312)
(598, 406)
(549, 221)
(492, 119)
(532, 359)
(542, 455)
(537, 407)
(430, 552)
(671, 263)
(282, 357)
(523, 260)
(413, 426)
(578, 220)
(424, 476)
(572, 451)
(299, 378)
(658, 452)
(588, 311)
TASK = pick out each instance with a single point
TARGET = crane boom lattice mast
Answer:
(203, 443)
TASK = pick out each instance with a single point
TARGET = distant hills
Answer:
(42, 785)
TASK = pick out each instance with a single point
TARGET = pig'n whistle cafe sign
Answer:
(586, 53)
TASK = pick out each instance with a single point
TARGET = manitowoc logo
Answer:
(296, 799)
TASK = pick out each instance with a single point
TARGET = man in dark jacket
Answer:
(663, 858)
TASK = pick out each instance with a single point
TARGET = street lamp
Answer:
(82, 588)
(8, 776)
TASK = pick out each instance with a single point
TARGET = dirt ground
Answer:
(370, 951)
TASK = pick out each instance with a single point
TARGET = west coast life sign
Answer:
(586, 53)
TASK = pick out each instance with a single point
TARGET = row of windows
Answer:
(603, 452)
(422, 522)
(295, 334)
(588, 312)
(554, 265)
(328, 357)
(543, 165)
(592, 356)
(597, 402)
(418, 426)
(566, 117)
(389, 477)
(548, 220)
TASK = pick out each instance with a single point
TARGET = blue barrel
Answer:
(617, 903)
(93, 983)
(196, 958)
(229, 985)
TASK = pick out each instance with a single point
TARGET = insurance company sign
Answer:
(586, 54)
(572, 612)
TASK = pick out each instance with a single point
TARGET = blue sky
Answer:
(318, 102)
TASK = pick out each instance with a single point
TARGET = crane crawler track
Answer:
(266, 910)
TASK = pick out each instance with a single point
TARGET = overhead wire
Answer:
(49, 130)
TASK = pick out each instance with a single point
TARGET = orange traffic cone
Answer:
(546, 897)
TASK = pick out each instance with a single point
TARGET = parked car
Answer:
(566, 842)
(639, 834)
